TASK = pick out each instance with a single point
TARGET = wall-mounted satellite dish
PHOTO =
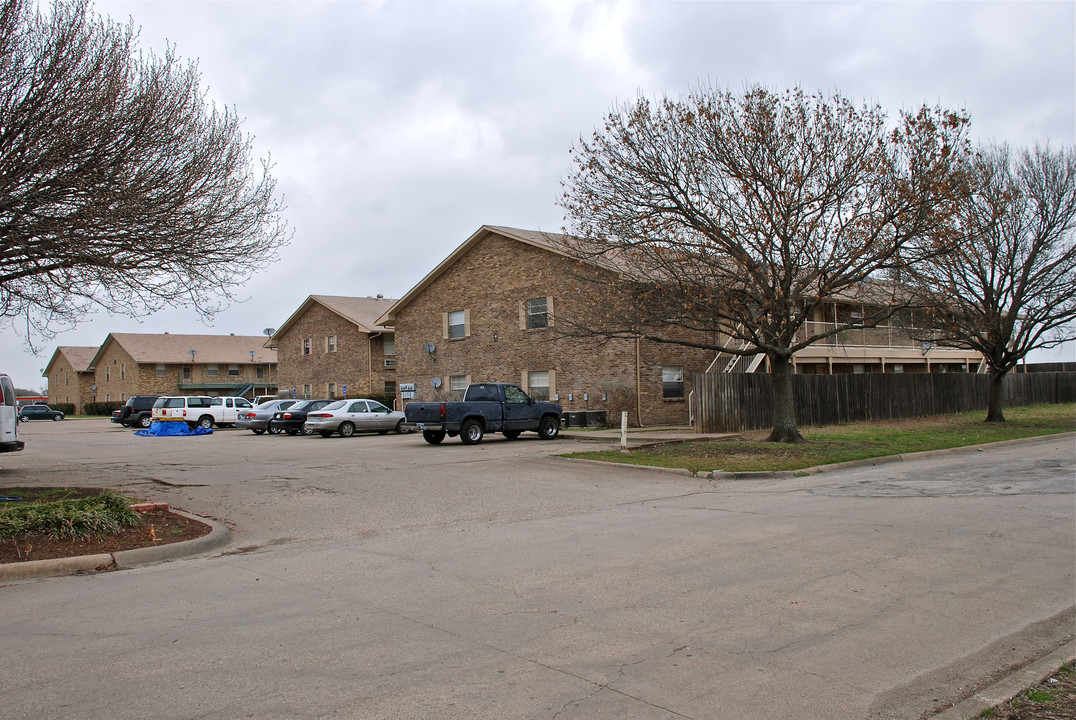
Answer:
(430, 347)
(268, 331)
(435, 382)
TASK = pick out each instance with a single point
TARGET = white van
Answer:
(9, 424)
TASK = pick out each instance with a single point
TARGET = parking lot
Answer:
(378, 576)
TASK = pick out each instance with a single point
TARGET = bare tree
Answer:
(734, 215)
(1010, 285)
(120, 186)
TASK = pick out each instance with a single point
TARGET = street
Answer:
(381, 577)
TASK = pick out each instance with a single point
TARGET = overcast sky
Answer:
(400, 128)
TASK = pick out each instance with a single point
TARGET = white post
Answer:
(624, 431)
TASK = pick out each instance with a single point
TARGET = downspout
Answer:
(638, 380)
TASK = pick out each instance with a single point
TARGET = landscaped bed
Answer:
(48, 523)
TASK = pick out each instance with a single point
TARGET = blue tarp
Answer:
(172, 428)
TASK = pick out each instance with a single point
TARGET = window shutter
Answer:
(549, 322)
(552, 383)
(444, 326)
(523, 315)
(523, 380)
(466, 323)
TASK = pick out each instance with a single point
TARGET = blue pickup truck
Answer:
(486, 407)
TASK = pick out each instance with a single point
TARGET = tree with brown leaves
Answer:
(734, 215)
(120, 186)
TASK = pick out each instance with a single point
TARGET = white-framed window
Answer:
(259, 372)
(162, 369)
(186, 372)
(389, 344)
(672, 382)
(330, 345)
(306, 346)
(108, 375)
(123, 372)
(538, 384)
(233, 371)
(458, 382)
(457, 324)
(212, 370)
(306, 391)
(331, 390)
(536, 313)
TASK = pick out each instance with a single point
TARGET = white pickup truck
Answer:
(200, 410)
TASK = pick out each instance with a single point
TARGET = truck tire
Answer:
(511, 434)
(145, 421)
(549, 427)
(205, 422)
(471, 432)
(433, 437)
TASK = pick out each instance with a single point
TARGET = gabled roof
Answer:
(80, 358)
(176, 349)
(542, 240)
(363, 312)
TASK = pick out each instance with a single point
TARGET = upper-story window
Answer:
(233, 371)
(389, 343)
(162, 370)
(306, 346)
(536, 313)
(457, 324)
(212, 370)
(330, 344)
(186, 372)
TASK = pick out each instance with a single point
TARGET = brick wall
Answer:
(115, 375)
(358, 362)
(491, 282)
(66, 385)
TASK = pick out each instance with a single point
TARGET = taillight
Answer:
(319, 415)
(287, 416)
(444, 411)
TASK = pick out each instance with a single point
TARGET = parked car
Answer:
(9, 424)
(39, 412)
(137, 411)
(348, 417)
(292, 419)
(259, 419)
(486, 407)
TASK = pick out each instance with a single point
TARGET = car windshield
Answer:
(335, 405)
(302, 405)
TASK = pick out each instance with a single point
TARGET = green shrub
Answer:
(65, 408)
(102, 408)
(98, 516)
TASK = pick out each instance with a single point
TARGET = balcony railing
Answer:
(885, 336)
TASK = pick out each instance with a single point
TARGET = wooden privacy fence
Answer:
(731, 402)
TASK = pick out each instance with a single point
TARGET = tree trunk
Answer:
(784, 403)
(995, 402)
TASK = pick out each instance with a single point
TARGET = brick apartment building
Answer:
(488, 312)
(333, 347)
(70, 376)
(129, 364)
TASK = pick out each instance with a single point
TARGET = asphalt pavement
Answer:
(378, 577)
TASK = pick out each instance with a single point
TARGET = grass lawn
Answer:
(840, 443)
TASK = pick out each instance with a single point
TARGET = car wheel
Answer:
(549, 428)
(57, 417)
(471, 432)
(24, 418)
(346, 429)
(257, 431)
(205, 422)
(401, 427)
(291, 431)
(433, 437)
(273, 430)
(308, 430)
(146, 421)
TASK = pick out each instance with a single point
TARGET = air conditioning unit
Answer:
(390, 362)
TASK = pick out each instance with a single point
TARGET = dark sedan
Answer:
(39, 412)
(291, 420)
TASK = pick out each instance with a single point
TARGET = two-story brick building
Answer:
(489, 311)
(70, 376)
(333, 346)
(129, 364)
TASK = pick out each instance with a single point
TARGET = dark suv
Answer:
(136, 411)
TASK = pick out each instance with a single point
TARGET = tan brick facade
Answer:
(490, 285)
(69, 378)
(330, 347)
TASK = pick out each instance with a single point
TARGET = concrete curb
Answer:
(1009, 687)
(217, 538)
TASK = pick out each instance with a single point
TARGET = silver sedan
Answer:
(350, 416)
(257, 419)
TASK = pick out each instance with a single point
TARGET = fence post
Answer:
(624, 431)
